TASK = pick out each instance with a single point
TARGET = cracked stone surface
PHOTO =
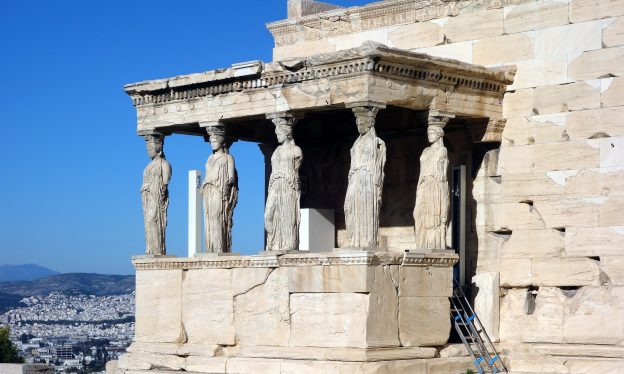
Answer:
(204, 319)
(262, 314)
(207, 300)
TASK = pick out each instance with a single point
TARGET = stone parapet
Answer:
(341, 308)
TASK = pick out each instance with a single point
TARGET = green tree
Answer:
(8, 352)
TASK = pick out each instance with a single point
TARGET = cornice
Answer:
(218, 262)
(270, 260)
(374, 59)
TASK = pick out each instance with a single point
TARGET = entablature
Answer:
(372, 72)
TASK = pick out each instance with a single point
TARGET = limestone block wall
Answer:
(550, 202)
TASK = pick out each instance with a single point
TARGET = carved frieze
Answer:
(374, 16)
(388, 14)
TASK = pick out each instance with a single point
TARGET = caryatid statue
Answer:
(219, 194)
(366, 176)
(432, 192)
(281, 214)
(155, 195)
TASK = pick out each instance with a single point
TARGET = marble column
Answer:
(282, 215)
(155, 194)
(219, 192)
(366, 176)
(432, 192)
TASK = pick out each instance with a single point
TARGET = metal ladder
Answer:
(473, 335)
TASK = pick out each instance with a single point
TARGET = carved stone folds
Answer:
(219, 192)
(432, 192)
(155, 195)
(282, 215)
(366, 177)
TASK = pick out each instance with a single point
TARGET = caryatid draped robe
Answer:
(432, 199)
(220, 195)
(363, 199)
(155, 198)
(282, 214)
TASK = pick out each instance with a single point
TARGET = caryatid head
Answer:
(217, 137)
(435, 130)
(154, 144)
(283, 131)
(284, 123)
(365, 118)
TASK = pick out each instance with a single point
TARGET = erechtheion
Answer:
(475, 140)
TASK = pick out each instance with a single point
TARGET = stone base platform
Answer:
(552, 358)
(545, 358)
(241, 365)
(333, 312)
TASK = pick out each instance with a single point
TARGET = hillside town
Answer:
(74, 333)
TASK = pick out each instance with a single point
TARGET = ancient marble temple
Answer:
(347, 130)
(433, 167)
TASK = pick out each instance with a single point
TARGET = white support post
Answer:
(462, 226)
(316, 231)
(194, 213)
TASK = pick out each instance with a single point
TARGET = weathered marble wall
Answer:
(229, 314)
(549, 204)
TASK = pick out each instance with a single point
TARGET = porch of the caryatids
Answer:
(366, 177)
(282, 214)
(432, 191)
(219, 191)
(155, 194)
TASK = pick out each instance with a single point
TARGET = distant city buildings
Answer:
(72, 332)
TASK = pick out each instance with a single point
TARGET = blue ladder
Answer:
(473, 335)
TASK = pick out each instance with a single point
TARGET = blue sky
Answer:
(72, 162)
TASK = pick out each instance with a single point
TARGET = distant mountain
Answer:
(28, 272)
(79, 283)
